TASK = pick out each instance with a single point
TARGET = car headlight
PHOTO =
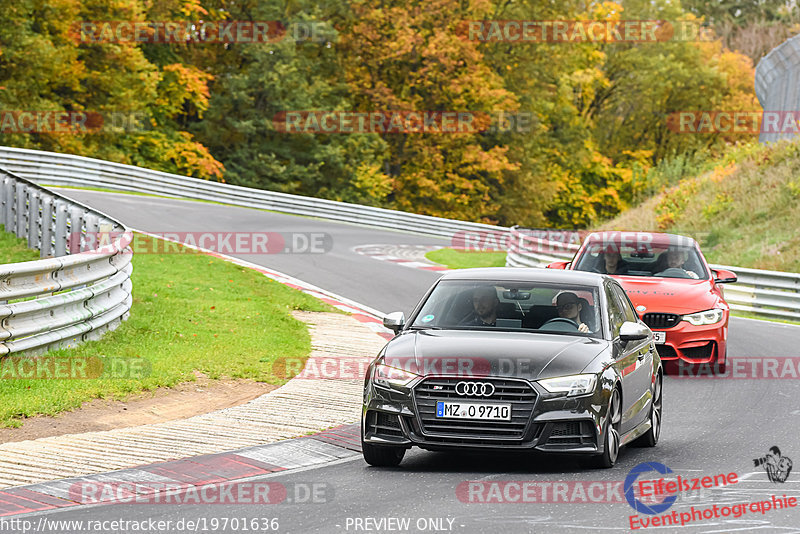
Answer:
(391, 376)
(571, 385)
(704, 317)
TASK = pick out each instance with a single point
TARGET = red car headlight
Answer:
(704, 317)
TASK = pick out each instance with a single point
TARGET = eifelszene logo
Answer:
(630, 486)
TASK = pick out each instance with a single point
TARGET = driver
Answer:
(676, 257)
(485, 302)
(569, 307)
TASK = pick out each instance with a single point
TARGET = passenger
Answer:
(485, 302)
(676, 258)
(614, 264)
(569, 307)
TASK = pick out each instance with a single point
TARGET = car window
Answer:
(616, 316)
(624, 303)
(512, 305)
(647, 259)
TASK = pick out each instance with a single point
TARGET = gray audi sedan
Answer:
(502, 358)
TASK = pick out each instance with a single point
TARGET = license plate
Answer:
(660, 337)
(465, 410)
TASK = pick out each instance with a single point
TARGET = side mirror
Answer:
(395, 321)
(558, 265)
(722, 276)
(630, 331)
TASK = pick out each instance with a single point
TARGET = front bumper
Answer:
(540, 420)
(695, 344)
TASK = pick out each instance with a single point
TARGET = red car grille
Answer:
(661, 321)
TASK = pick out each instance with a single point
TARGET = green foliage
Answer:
(601, 137)
(722, 202)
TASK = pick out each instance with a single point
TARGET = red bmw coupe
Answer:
(672, 287)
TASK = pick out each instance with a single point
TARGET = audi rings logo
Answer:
(475, 389)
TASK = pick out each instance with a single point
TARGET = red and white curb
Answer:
(412, 256)
(172, 478)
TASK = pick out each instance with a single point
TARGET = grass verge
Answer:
(464, 259)
(191, 312)
(14, 249)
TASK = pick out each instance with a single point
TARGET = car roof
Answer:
(656, 238)
(522, 274)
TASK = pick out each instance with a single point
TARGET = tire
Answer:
(650, 438)
(379, 456)
(610, 453)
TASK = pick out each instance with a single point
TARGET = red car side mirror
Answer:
(723, 276)
(559, 265)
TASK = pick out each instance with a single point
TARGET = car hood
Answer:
(668, 295)
(527, 355)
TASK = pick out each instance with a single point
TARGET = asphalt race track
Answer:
(710, 427)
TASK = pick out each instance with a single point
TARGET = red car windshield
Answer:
(654, 260)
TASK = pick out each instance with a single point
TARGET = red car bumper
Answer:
(695, 344)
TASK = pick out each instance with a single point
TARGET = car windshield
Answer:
(513, 306)
(650, 259)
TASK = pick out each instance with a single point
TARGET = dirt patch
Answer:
(163, 404)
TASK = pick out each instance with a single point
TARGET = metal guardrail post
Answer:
(60, 228)
(8, 204)
(20, 210)
(34, 220)
(46, 226)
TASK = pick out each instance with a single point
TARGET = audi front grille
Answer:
(661, 321)
(518, 393)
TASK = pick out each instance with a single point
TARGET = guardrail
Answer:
(77, 294)
(78, 171)
(527, 249)
(771, 294)
(764, 293)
